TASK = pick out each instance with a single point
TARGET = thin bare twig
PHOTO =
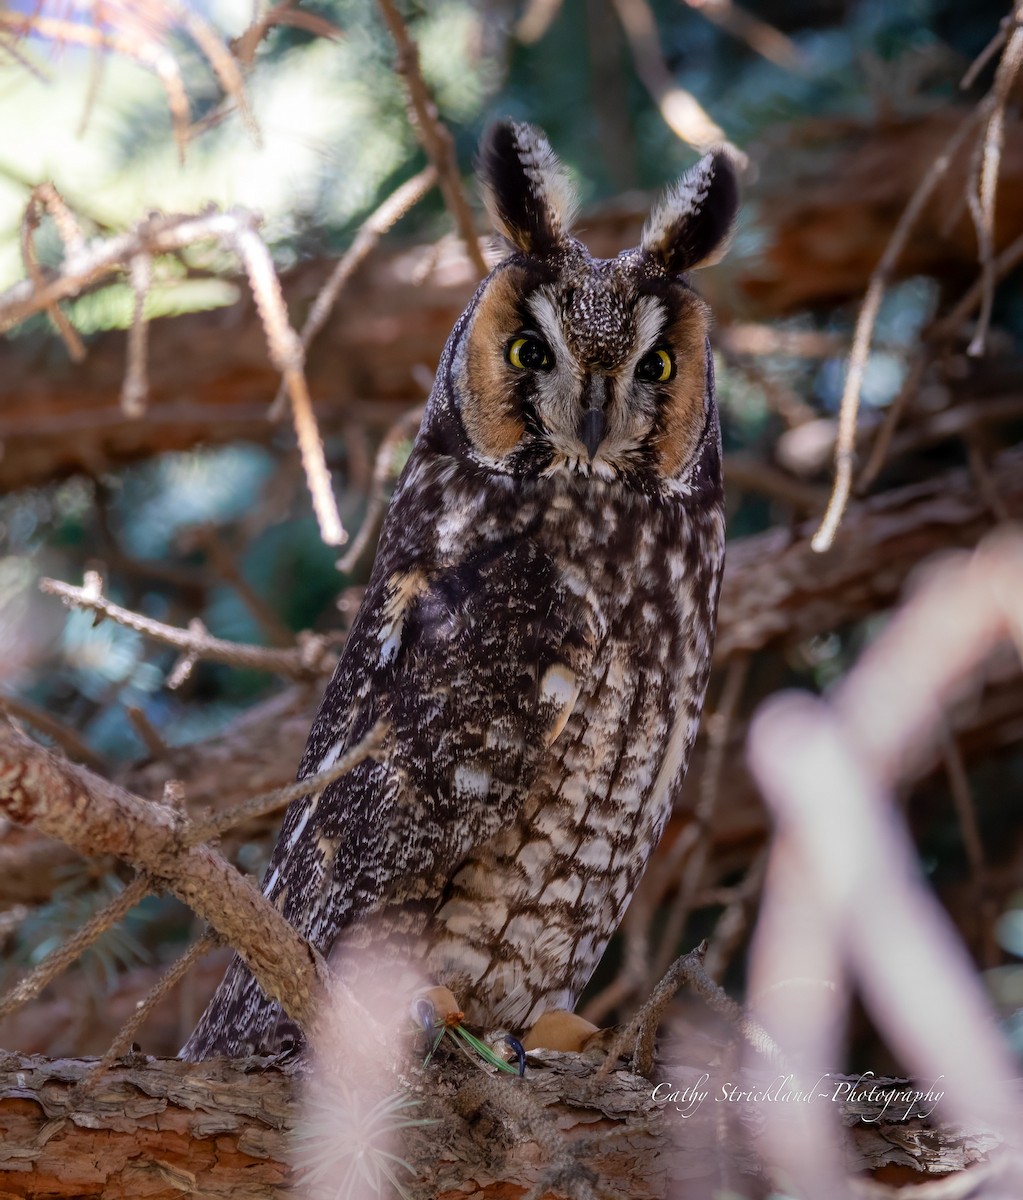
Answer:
(388, 213)
(42, 721)
(949, 325)
(434, 136)
(139, 40)
(768, 42)
(845, 444)
(986, 485)
(46, 197)
(227, 568)
(632, 974)
(305, 661)
(10, 47)
(962, 799)
(987, 54)
(285, 13)
(148, 734)
(734, 921)
(982, 201)
(687, 970)
(224, 64)
(160, 234)
(400, 431)
(127, 42)
(125, 1036)
(268, 802)
(892, 417)
(288, 356)
(59, 959)
(96, 817)
(719, 727)
(135, 388)
(537, 18)
(682, 112)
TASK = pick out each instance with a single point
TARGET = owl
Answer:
(537, 630)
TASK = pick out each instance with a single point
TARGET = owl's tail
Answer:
(239, 1020)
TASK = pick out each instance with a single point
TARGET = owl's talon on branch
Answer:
(437, 1006)
(425, 1014)
(519, 1051)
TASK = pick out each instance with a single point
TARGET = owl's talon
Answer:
(425, 1014)
(442, 1006)
(519, 1051)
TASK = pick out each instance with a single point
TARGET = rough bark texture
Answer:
(90, 814)
(161, 1128)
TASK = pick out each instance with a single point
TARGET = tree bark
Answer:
(160, 1128)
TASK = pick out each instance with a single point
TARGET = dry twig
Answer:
(767, 41)
(160, 234)
(719, 727)
(286, 12)
(94, 816)
(305, 661)
(682, 112)
(845, 445)
(125, 41)
(58, 960)
(537, 18)
(404, 428)
(268, 802)
(170, 979)
(43, 722)
(982, 200)
(46, 197)
(135, 389)
(434, 136)
(137, 35)
(369, 233)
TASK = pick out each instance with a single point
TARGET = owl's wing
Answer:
(475, 670)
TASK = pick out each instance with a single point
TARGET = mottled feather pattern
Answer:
(536, 632)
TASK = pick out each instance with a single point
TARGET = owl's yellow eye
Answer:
(656, 367)
(528, 353)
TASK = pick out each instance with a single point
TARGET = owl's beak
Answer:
(591, 427)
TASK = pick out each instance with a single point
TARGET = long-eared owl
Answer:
(538, 626)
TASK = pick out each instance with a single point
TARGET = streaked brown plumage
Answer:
(538, 626)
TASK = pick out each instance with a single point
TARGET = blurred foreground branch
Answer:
(844, 904)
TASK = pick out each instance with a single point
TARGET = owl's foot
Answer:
(438, 1012)
(559, 1029)
(437, 1006)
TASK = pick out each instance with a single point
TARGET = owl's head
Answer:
(597, 367)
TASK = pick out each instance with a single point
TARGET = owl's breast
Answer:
(529, 914)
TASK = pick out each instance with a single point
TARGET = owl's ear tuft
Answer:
(526, 189)
(691, 224)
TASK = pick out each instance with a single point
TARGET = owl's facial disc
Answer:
(594, 367)
(601, 371)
